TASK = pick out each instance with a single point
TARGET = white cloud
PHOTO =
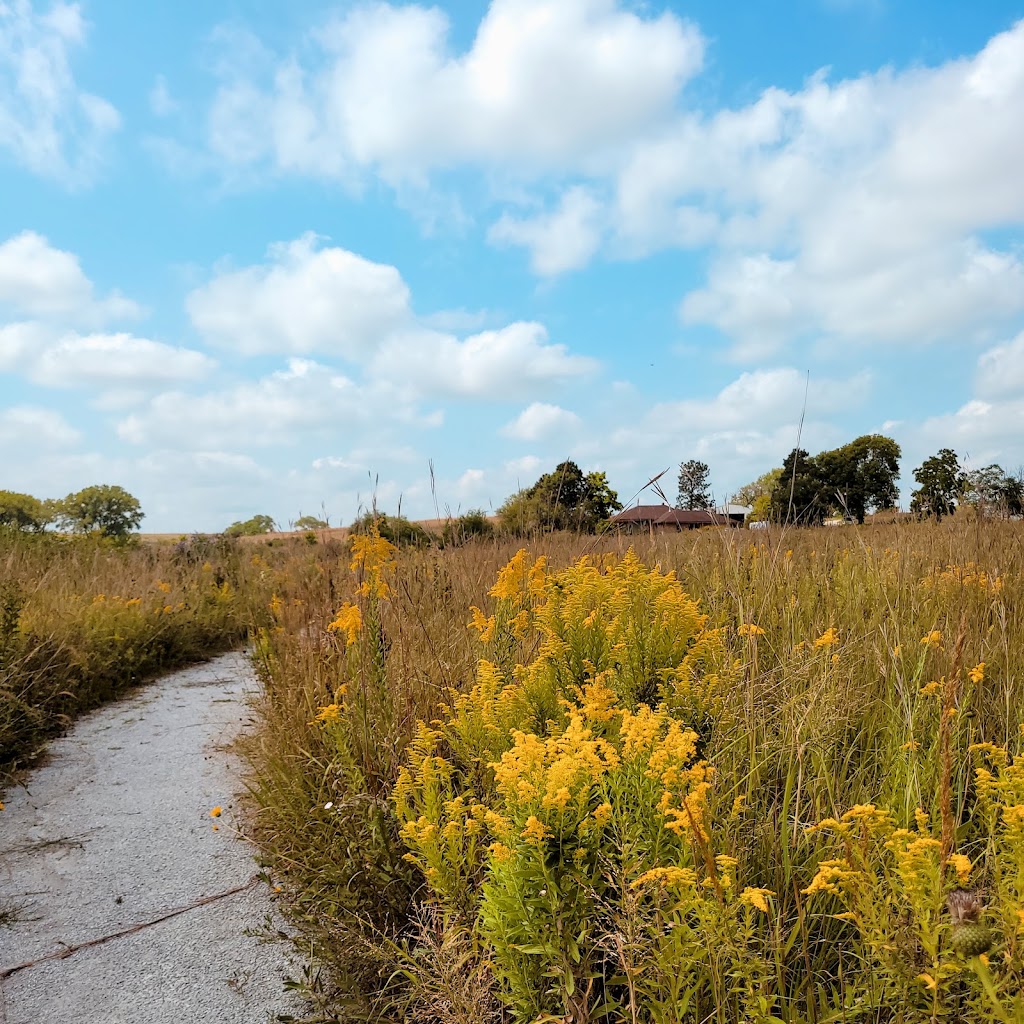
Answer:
(116, 360)
(543, 85)
(38, 280)
(26, 426)
(508, 363)
(305, 399)
(540, 421)
(563, 239)
(47, 123)
(1001, 369)
(303, 299)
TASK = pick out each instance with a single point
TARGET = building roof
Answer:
(665, 515)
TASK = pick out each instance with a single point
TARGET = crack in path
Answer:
(142, 806)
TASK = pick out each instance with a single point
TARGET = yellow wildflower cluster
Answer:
(349, 621)
(749, 629)
(373, 560)
(959, 578)
(829, 638)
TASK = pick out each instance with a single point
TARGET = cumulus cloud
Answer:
(47, 122)
(27, 426)
(508, 363)
(543, 85)
(39, 280)
(540, 421)
(116, 360)
(305, 398)
(564, 239)
(303, 299)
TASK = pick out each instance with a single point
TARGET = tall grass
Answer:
(82, 619)
(840, 727)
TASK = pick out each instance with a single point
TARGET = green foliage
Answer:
(759, 488)
(310, 523)
(251, 527)
(23, 512)
(993, 493)
(850, 481)
(564, 499)
(396, 530)
(694, 489)
(106, 508)
(474, 524)
(940, 482)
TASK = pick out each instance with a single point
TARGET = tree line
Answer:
(102, 508)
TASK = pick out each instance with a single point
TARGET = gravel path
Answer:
(113, 831)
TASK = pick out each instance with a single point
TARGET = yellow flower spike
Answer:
(977, 674)
(535, 830)
(932, 639)
(328, 715)
(931, 689)
(756, 898)
(349, 621)
(749, 629)
(962, 865)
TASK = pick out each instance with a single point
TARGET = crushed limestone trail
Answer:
(120, 903)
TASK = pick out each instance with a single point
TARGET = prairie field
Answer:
(721, 775)
(709, 776)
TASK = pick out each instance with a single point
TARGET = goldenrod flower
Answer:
(829, 638)
(349, 621)
(962, 865)
(749, 629)
(329, 714)
(535, 830)
(757, 898)
(977, 674)
(932, 639)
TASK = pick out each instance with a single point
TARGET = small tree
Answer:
(106, 508)
(992, 492)
(23, 512)
(694, 489)
(940, 482)
(251, 527)
(759, 488)
(565, 499)
(310, 523)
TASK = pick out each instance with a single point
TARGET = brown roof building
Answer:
(664, 517)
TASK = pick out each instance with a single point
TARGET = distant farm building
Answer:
(643, 518)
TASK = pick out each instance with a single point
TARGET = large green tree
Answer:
(565, 499)
(801, 493)
(105, 508)
(940, 482)
(694, 488)
(24, 512)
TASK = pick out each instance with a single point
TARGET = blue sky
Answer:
(281, 258)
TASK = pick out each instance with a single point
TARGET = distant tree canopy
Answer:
(474, 523)
(564, 499)
(940, 482)
(106, 508)
(310, 523)
(757, 495)
(694, 489)
(853, 480)
(23, 512)
(251, 527)
(991, 492)
(396, 529)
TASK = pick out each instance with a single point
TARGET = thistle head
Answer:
(964, 906)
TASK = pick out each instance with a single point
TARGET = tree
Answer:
(761, 487)
(940, 482)
(565, 499)
(23, 512)
(310, 523)
(694, 491)
(992, 492)
(109, 509)
(251, 527)
(861, 476)
(800, 495)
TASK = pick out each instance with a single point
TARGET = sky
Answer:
(302, 258)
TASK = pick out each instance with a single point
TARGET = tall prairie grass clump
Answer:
(82, 618)
(705, 779)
